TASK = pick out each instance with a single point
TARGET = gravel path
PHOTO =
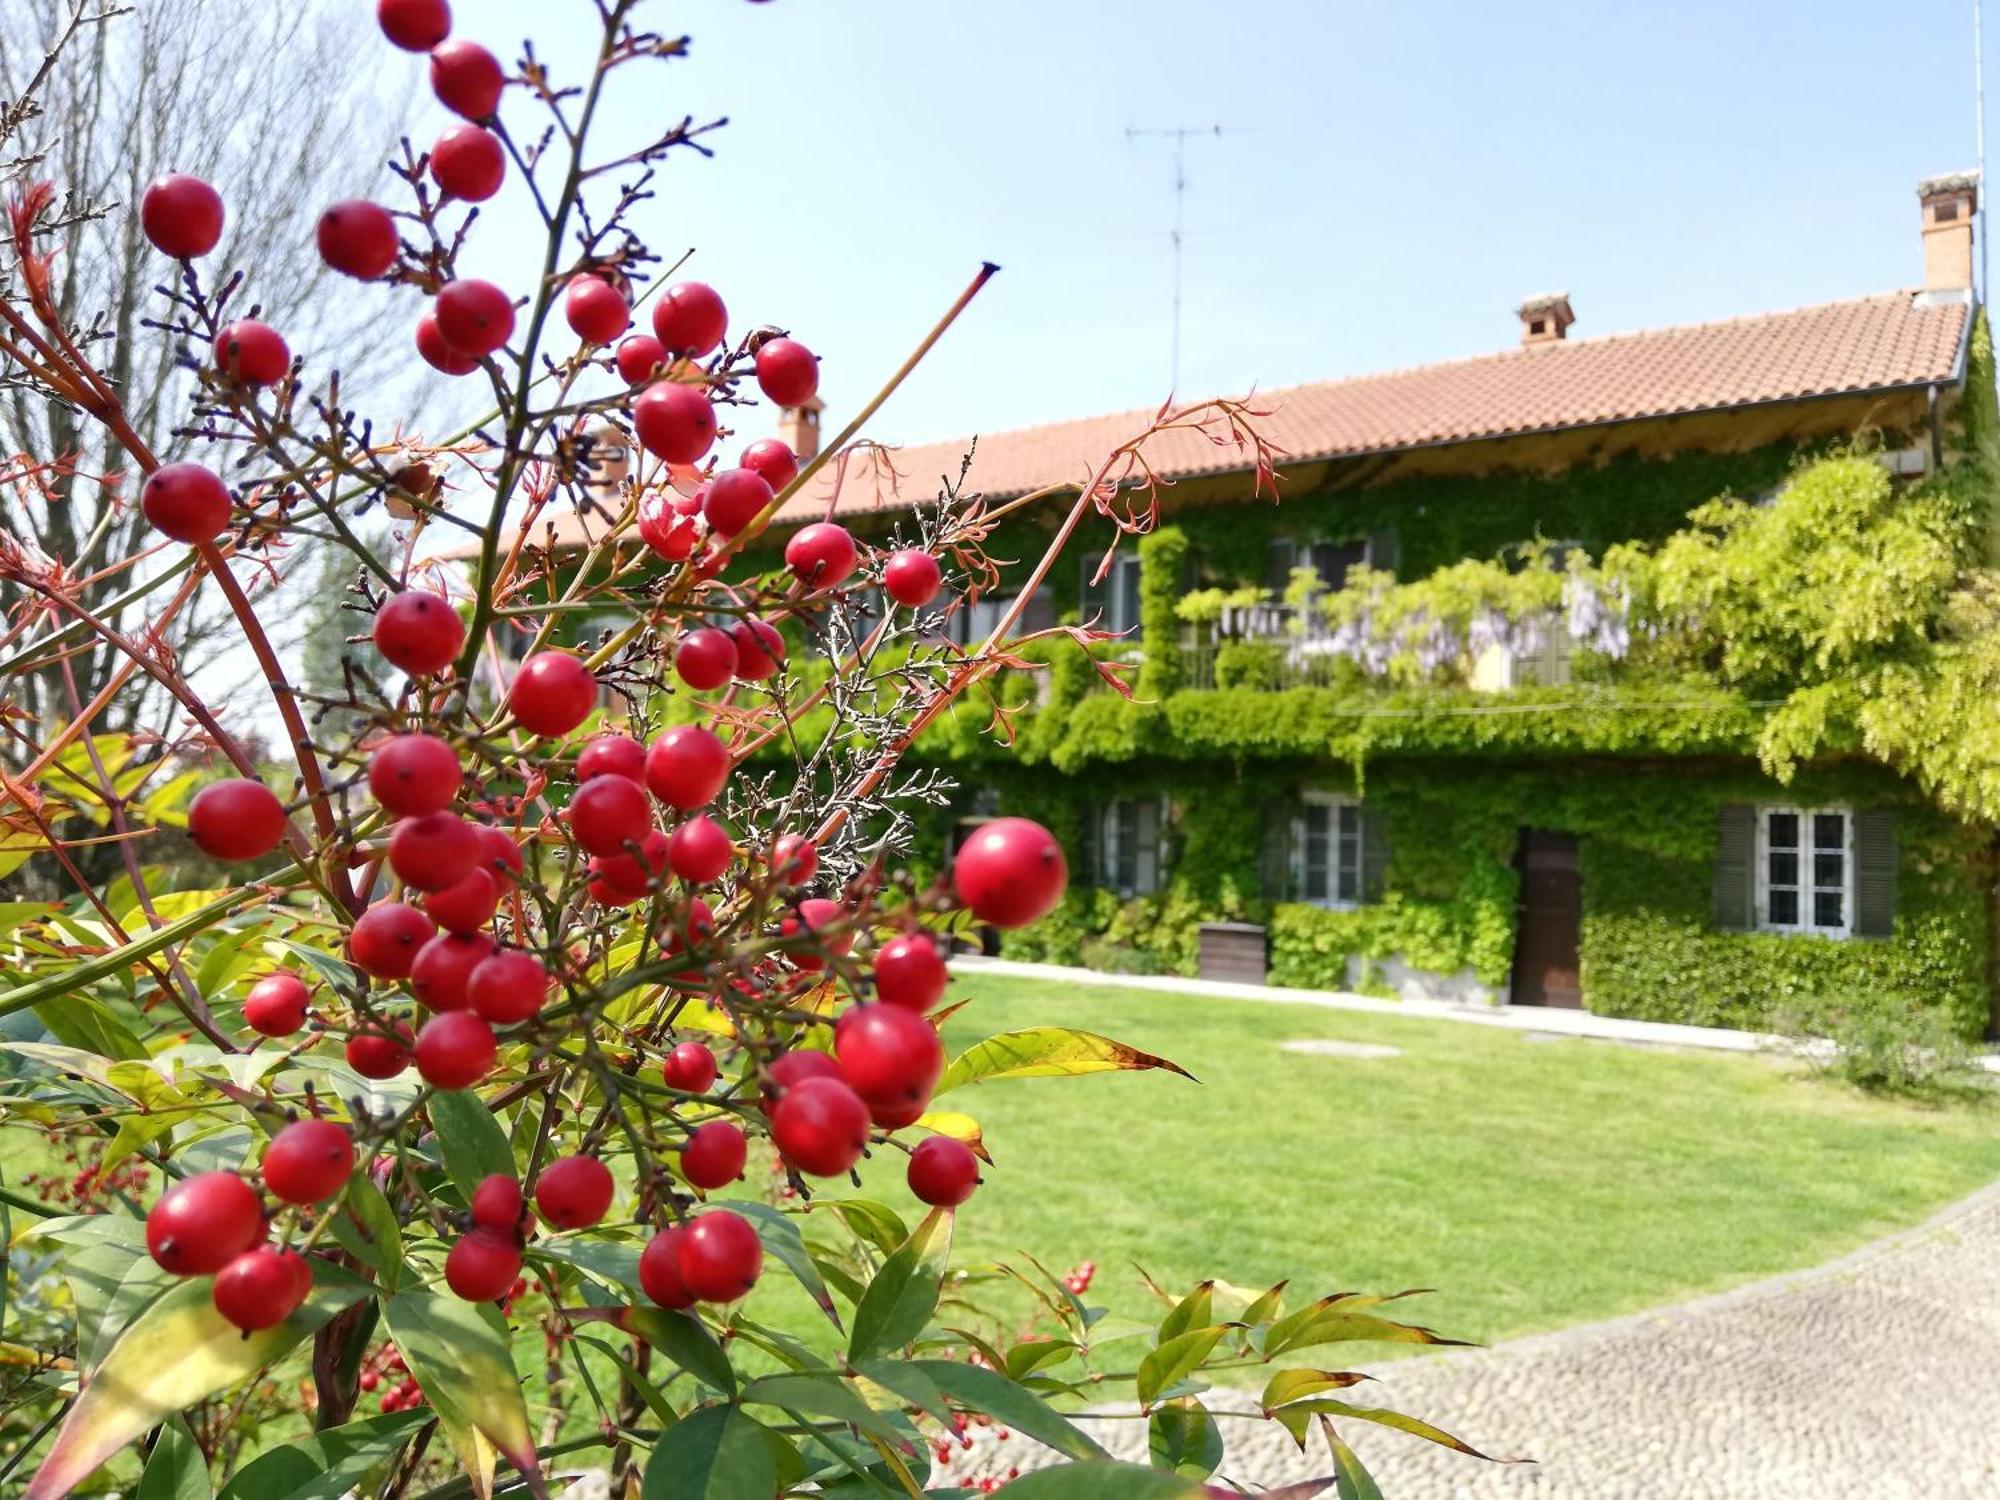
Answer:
(1877, 1376)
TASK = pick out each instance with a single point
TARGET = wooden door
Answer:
(1549, 921)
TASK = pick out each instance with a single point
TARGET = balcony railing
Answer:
(1274, 646)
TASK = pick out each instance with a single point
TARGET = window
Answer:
(1113, 599)
(1330, 560)
(1128, 845)
(1805, 870)
(1326, 851)
(970, 624)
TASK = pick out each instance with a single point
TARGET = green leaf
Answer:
(1103, 1481)
(474, 1144)
(1182, 1438)
(1296, 1415)
(1289, 1385)
(180, 1350)
(175, 1469)
(1046, 1052)
(685, 1340)
(1175, 1360)
(910, 1386)
(1354, 1481)
(326, 1465)
(1195, 1310)
(900, 1300)
(459, 1353)
(1031, 1355)
(1335, 1320)
(997, 1396)
(612, 1262)
(366, 1226)
(71, 978)
(877, 1223)
(714, 1453)
(79, 1021)
(655, 1399)
(783, 1243)
(827, 1395)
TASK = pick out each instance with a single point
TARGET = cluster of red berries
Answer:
(90, 1187)
(1079, 1278)
(214, 1224)
(384, 1370)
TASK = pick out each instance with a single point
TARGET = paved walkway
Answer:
(1876, 1377)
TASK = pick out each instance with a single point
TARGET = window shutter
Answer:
(1092, 594)
(1282, 837)
(1383, 551)
(1874, 872)
(1374, 855)
(1146, 872)
(1735, 867)
(1284, 557)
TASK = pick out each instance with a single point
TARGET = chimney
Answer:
(1545, 319)
(798, 428)
(1948, 205)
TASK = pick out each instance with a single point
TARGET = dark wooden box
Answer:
(1236, 951)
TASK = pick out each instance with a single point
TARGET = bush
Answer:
(1886, 1047)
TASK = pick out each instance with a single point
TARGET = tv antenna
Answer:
(1179, 135)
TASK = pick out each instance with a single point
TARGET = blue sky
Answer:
(1392, 179)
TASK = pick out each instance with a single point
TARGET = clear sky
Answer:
(1392, 178)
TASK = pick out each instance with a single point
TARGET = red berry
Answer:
(674, 421)
(455, 1050)
(794, 860)
(690, 1067)
(200, 1224)
(574, 1192)
(436, 353)
(467, 79)
(553, 692)
(434, 851)
(596, 312)
(236, 820)
(911, 577)
(468, 162)
(181, 215)
(690, 319)
(820, 1126)
(414, 25)
(943, 1172)
(475, 317)
(386, 939)
(894, 1114)
(822, 555)
(909, 971)
(498, 1203)
(186, 501)
(443, 968)
(660, 1272)
(252, 352)
(705, 658)
(608, 812)
(817, 915)
(699, 851)
(639, 356)
(414, 773)
(888, 1053)
(736, 497)
(787, 372)
(663, 529)
(482, 1266)
(719, 1256)
(509, 987)
(418, 632)
(713, 1156)
(686, 767)
(499, 854)
(308, 1161)
(373, 1055)
(626, 877)
(261, 1288)
(760, 650)
(611, 755)
(790, 1069)
(774, 460)
(1010, 872)
(276, 1005)
(358, 238)
(467, 906)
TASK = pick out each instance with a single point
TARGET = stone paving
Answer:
(1876, 1377)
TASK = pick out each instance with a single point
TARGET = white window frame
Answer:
(1110, 849)
(1343, 876)
(1807, 884)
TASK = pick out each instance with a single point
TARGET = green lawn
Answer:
(1532, 1184)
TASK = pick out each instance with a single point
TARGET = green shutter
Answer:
(1093, 594)
(1383, 551)
(1281, 836)
(1374, 855)
(1874, 872)
(1736, 867)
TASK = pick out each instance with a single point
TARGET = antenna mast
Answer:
(1179, 135)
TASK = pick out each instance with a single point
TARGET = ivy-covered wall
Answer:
(1646, 836)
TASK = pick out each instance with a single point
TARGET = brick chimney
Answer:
(1545, 319)
(798, 428)
(1948, 205)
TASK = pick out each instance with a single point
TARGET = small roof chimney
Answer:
(1546, 318)
(1949, 203)
(798, 428)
